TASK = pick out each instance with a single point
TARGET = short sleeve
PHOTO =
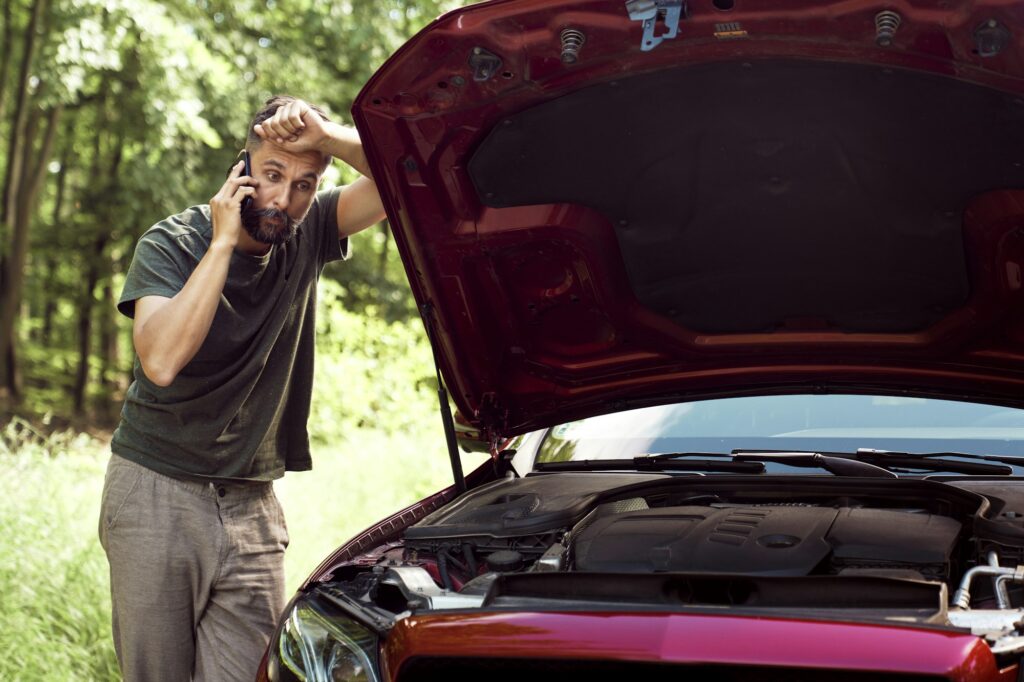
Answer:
(158, 269)
(323, 217)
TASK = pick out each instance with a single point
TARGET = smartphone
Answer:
(246, 170)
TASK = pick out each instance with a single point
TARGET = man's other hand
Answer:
(226, 206)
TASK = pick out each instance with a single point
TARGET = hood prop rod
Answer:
(427, 311)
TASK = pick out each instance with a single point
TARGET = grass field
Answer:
(54, 589)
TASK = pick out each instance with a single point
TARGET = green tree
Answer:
(117, 113)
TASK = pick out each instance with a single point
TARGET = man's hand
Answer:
(226, 206)
(296, 127)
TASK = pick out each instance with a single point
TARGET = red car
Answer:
(731, 291)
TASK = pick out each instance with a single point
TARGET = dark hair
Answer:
(269, 108)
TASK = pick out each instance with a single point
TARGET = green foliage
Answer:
(50, 379)
(370, 373)
(374, 282)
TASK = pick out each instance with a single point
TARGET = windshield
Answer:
(820, 423)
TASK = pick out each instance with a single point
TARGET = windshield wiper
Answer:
(741, 461)
(840, 466)
(885, 459)
(865, 462)
(677, 461)
(937, 461)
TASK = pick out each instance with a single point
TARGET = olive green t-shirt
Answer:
(238, 409)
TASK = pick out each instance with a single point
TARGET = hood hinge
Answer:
(493, 419)
(498, 447)
(648, 11)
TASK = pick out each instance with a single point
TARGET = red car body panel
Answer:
(693, 639)
(534, 321)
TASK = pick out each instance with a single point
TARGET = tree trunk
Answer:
(6, 45)
(10, 368)
(21, 106)
(21, 185)
(108, 346)
(49, 305)
(100, 266)
(23, 208)
(383, 263)
(85, 309)
(108, 321)
(108, 337)
(49, 295)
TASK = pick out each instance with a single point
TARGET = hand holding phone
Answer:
(231, 201)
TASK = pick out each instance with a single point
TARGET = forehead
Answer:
(290, 163)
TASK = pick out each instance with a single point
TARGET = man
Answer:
(223, 303)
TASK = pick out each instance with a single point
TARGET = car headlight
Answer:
(316, 644)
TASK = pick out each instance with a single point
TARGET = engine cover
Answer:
(766, 540)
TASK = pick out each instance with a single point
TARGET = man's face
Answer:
(286, 184)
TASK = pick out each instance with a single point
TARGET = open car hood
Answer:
(775, 199)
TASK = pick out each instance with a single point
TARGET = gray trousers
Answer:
(196, 574)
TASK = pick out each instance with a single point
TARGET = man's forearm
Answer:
(172, 333)
(342, 142)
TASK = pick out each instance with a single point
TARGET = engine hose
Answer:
(442, 569)
(467, 551)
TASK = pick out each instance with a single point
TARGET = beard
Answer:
(269, 225)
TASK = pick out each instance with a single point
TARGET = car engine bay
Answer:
(909, 551)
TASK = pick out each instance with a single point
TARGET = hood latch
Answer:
(649, 11)
(484, 64)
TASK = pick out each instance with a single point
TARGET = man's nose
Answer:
(281, 198)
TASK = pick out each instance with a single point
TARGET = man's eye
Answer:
(304, 186)
(273, 177)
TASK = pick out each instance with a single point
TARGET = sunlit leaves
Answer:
(87, 46)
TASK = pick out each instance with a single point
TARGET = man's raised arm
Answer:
(168, 332)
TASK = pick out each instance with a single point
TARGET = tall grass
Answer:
(378, 446)
(54, 587)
